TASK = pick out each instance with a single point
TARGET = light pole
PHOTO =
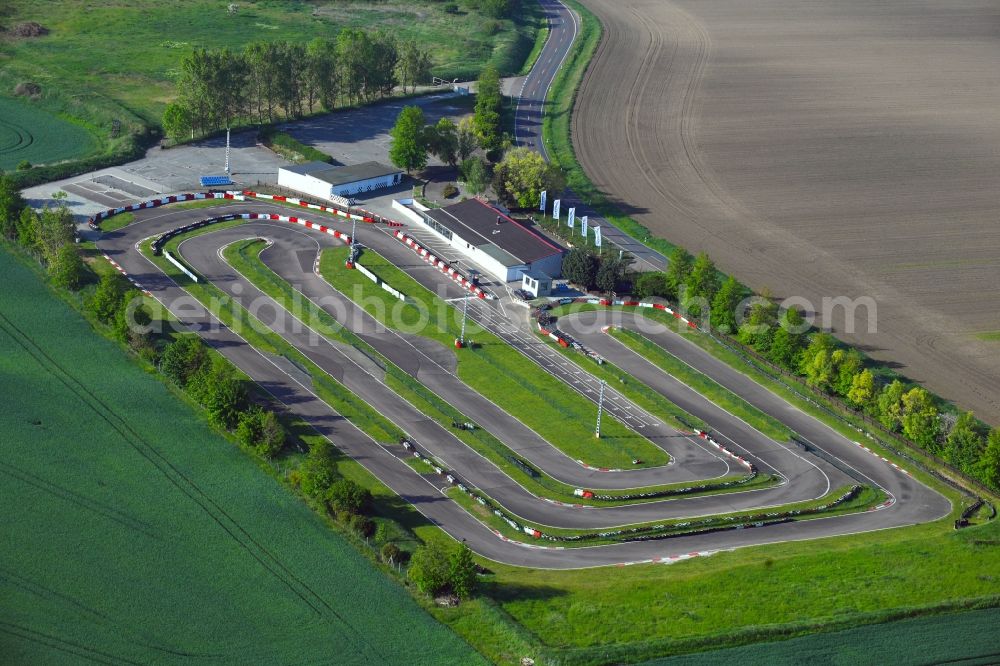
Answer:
(460, 342)
(352, 257)
(600, 410)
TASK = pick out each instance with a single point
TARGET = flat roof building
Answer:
(501, 245)
(319, 179)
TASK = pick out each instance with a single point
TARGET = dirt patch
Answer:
(822, 150)
(28, 89)
(28, 30)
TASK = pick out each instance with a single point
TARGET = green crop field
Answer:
(967, 638)
(129, 53)
(133, 533)
(29, 133)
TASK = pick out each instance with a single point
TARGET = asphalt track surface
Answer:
(293, 255)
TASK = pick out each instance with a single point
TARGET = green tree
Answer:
(651, 284)
(609, 274)
(442, 140)
(787, 339)
(67, 268)
(467, 140)
(220, 392)
(320, 74)
(130, 316)
(259, 429)
(319, 470)
(488, 116)
(11, 205)
(55, 229)
(846, 365)
(107, 298)
(989, 463)
(890, 405)
(177, 121)
(462, 574)
(965, 444)
(724, 305)
(818, 342)
(521, 176)
(409, 140)
(758, 329)
(414, 65)
(390, 553)
(862, 391)
(921, 422)
(678, 268)
(703, 280)
(27, 228)
(183, 358)
(347, 496)
(580, 267)
(430, 568)
(475, 174)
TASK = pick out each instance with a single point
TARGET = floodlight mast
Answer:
(228, 174)
(600, 410)
(460, 342)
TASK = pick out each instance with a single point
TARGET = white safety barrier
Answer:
(181, 266)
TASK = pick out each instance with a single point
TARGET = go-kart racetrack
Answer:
(819, 149)
(292, 256)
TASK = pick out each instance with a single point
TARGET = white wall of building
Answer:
(304, 183)
(321, 189)
(367, 185)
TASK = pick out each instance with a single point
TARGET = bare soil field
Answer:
(819, 149)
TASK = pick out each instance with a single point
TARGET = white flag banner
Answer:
(597, 236)
(555, 209)
(571, 218)
(583, 227)
(545, 196)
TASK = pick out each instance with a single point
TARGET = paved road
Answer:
(274, 375)
(563, 30)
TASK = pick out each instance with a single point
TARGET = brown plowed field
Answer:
(820, 149)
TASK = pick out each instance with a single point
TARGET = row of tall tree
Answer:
(786, 339)
(271, 80)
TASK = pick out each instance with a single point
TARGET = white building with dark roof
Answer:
(501, 245)
(326, 181)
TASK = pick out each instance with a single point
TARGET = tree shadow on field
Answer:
(521, 592)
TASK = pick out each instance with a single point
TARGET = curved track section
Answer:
(293, 256)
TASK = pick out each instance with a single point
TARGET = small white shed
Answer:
(319, 179)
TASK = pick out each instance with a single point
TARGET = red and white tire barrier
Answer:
(883, 458)
(740, 459)
(525, 545)
(637, 304)
(316, 226)
(597, 469)
(367, 217)
(127, 276)
(440, 264)
(95, 222)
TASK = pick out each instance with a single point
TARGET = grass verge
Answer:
(707, 387)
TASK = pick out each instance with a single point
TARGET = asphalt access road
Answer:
(415, 488)
(563, 30)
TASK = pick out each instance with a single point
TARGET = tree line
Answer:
(518, 175)
(785, 338)
(266, 81)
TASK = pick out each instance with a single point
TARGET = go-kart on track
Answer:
(292, 256)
